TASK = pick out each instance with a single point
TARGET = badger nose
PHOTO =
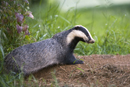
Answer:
(91, 41)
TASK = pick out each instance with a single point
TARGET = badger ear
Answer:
(77, 27)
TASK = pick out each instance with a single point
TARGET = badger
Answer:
(56, 50)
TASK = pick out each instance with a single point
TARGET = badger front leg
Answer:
(72, 60)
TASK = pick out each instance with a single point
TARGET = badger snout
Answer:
(91, 41)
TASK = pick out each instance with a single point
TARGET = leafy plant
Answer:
(14, 32)
(13, 27)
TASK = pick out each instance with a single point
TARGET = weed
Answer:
(55, 79)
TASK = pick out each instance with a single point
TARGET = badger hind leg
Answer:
(72, 60)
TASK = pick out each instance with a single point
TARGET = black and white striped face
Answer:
(80, 32)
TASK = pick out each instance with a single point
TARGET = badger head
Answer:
(79, 33)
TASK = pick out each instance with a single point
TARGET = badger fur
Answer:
(56, 50)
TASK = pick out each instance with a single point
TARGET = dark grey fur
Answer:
(35, 56)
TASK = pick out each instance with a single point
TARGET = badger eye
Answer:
(89, 37)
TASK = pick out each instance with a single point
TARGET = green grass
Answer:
(110, 27)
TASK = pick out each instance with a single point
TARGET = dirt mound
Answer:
(97, 71)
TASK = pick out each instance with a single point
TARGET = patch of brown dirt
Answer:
(97, 71)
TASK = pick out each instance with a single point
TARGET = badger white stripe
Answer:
(88, 33)
(76, 33)
(86, 30)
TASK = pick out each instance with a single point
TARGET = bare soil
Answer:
(97, 71)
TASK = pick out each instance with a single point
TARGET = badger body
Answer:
(56, 50)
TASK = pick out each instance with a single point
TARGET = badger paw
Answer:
(78, 62)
